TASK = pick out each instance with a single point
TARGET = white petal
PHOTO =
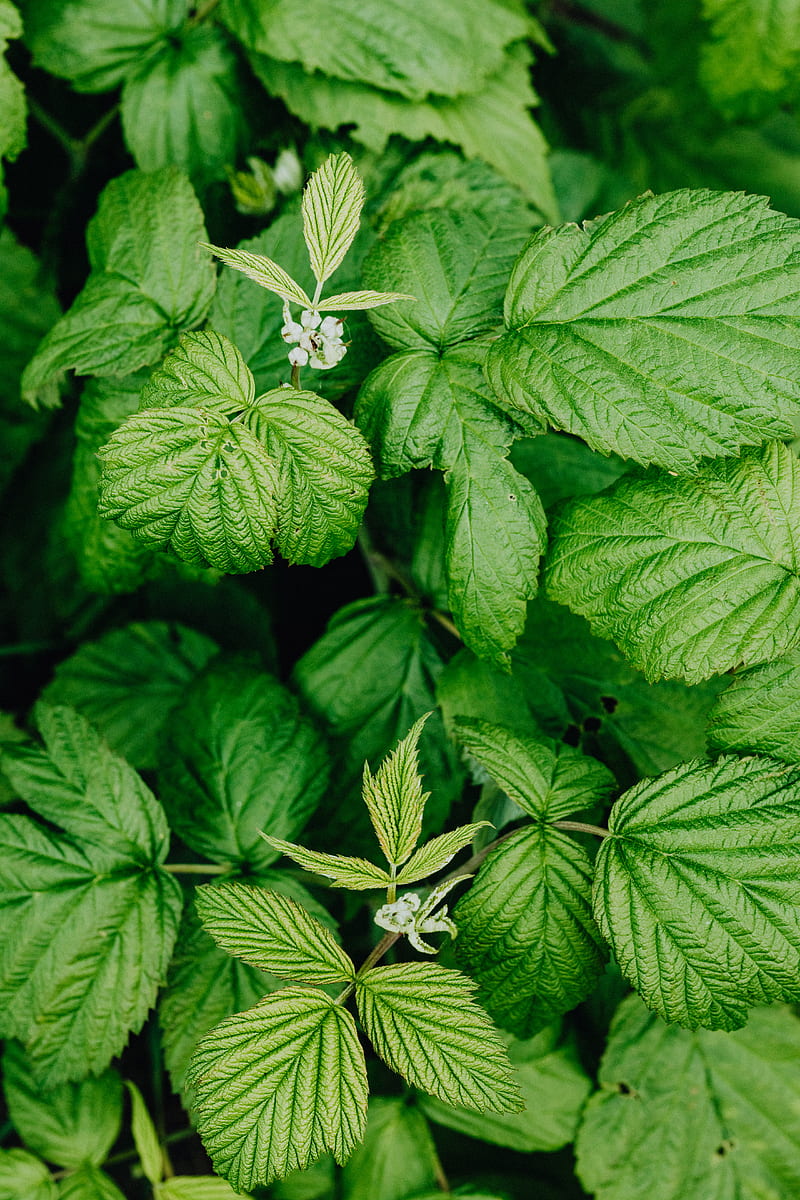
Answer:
(298, 357)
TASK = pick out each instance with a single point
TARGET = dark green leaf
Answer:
(397, 1158)
(759, 711)
(23, 1176)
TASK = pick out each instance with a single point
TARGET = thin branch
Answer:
(445, 621)
(581, 827)
(196, 868)
(53, 127)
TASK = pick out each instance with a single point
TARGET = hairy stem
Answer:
(296, 377)
(581, 827)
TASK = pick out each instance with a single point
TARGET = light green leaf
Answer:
(204, 369)
(447, 48)
(694, 889)
(275, 1087)
(196, 1187)
(729, 1102)
(397, 1158)
(89, 916)
(88, 1184)
(13, 108)
(129, 680)
(28, 308)
(145, 1137)
(423, 1021)
(493, 124)
(150, 279)
(324, 472)
(693, 576)
(554, 1087)
(238, 758)
(190, 481)
(664, 332)
(547, 779)
(356, 874)
(355, 301)
(526, 933)
(270, 931)
(332, 203)
(395, 799)
(205, 985)
(92, 45)
(181, 105)
(456, 263)
(70, 1125)
(23, 1177)
(263, 271)
(437, 853)
(385, 640)
(750, 60)
(758, 711)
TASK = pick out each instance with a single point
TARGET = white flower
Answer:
(316, 341)
(309, 319)
(288, 172)
(298, 357)
(332, 327)
(411, 916)
(292, 332)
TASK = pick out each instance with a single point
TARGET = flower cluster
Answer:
(412, 916)
(318, 342)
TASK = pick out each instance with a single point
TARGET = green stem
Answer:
(22, 648)
(391, 891)
(196, 868)
(53, 127)
(581, 827)
(202, 12)
(374, 956)
(296, 377)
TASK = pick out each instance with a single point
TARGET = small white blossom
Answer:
(298, 357)
(292, 332)
(332, 327)
(320, 341)
(288, 172)
(411, 916)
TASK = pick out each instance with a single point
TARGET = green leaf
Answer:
(385, 641)
(204, 369)
(263, 271)
(664, 332)
(324, 472)
(195, 1187)
(423, 1021)
(693, 576)
(750, 61)
(395, 799)
(129, 680)
(271, 932)
(92, 46)
(70, 1125)
(332, 203)
(109, 559)
(437, 853)
(13, 108)
(191, 481)
(546, 779)
(493, 124)
(275, 1087)
(90, 917)
(150, 278)
(728, 1101)
(356, 874)
(145, 1137)
(181, 105)
(758, 711)
(694, 889)
(560, 467)
(397, 1158)
(421, 408)
(28, 308)
(457, 263)
(355, 301)
(449, 48)
(554, 1087)
(88, 1184)
(526, 932)
(23, 1177)
(205, 985)
(238, 758)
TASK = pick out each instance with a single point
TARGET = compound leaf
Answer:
(324, 472)
(423, 1021)
(90, 917)
(277, 1086)
(263, 271)
(69, 1125)
(204, 369)
(546, 779)
(357, 301)
(437, 853)
(239, 758)
(190, 481)
(758, 711)
(728, 1100)
(395, 799)
(695, 889)
(356, 874)
(21, 1174)
(665, 332)
(332, 203)
(691, 576)
(272, 932)
(526, 932)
